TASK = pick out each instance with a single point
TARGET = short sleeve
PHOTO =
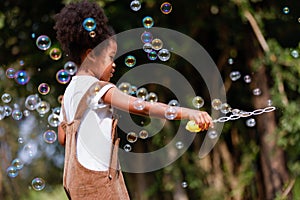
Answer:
(103, 90)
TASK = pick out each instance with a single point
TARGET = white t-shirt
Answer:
(94, 133)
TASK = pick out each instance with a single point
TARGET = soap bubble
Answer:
(147, 47)
(70, 67)
(152, 55)
(89, 24)
(171, 113)
(139, 104)
(26, 113)
(17, 163)
(20, 140)
(179, 145)
(55, 53)
(256, 92)
(21, 77)
(10, 72)
(216, 104)
(56, 110)
(143, 134)
(157, 44)
(63, 77)
(92, 34)
(230, 61)
(42, 107)
(198, 102)
(49, 136)
(247, 79)
(12, 172)
(43, 42)
(225, 108)
(38, 184)
(17, 114)
(235, 75)
(269, 102)
(174, 102)
(6, 98)
(132, 137)
(146, 37)
(166, 8)
(31, 101)
(184, 184)
(286, 10)
(295, 53)
(212, 134)
(7, 109)
(164, 55)
(135, 5)
(44, 88)
(125, 87)
(148, 22)
(53, 120)
(127, 147)
(250, 122)
(130, 61)
(142, 93)
(152, 97)
(133, 90)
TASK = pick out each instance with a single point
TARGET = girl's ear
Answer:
(90, 55)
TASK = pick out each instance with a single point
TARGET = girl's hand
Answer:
(199, 121)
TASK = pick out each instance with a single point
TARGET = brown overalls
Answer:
(81, 183)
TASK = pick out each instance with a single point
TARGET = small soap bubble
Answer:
(10, 72)
(184, 184)
(132, 137)
(8, 110)
(250, 122)
(148, 22)
(17, 114)
(152, 55)
(92, 34)
(214, 9)
(146, 37)
(60, 98)
(70, 67)
(31, 101)
(63, 77)
(127, 147)
(295, 53)
(43, 88)
(212, 134)
(56, 110)
(147, 47)
(133, 90)
(130, 61)
(43, 42)
(38, 184)
(139, 104)
(125, 87)
(171, 113)
(174, 102)
(135, 5)
(235, 75)
(53, 120)
(50, 136)
(247, 79)
(230, 61)
(20, 140)
(89, 24)
(152, 97)
(225, 108)
(42, 107)
(157, 44)
(55, 53)
(12, 172)
(269, 102)
(166, 8)
(26, 113)
(216, 104)
(198, 102)
(179, 145)
(143, 134)
(6, 98)
(17, 163)
(142, 93)
(164, 55)
(21, 77)
(21, 62)
(286, 10)
(256, 91)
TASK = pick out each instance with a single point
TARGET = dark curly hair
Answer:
(70, 33)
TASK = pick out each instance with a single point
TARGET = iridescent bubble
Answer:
(21, 62)
(133, 90)
(38, 184)
(142, 93)
(26, 113)
(171, 113)
(44, 88)
(174, 102)
(147, 47)
(130, 61)
(166, 8)
(21, 77)
(31, 101)
(20, 140)
(157, 44)
(56, 110)
(198, 102)
(256, 92)
(6, 98)
(7, 109)
(135, 5)
(247, 79)
(139, 104)
(17, 163)
(143, 134)
(235, 75)
(230, 61)
(70, 67)
(250, 122)
(148, 22)
(295, 53)
(2, 113)
(152, 55)
(89, 24)
(49, 136)
(132, 137)
(60, 98)
(225, 108)
(17, 114)
(286, 10)
(43, 42)
(125, 87)
(212, 134)
(146, 37)
(55, 53)
(164, 55)
(12, 172)
(179, 145)
(42, 107)
(184, 184)
(127, 147)
(269, 102)
(10, 72)
(152, 97)
(92, 34)
(53, 120)
(63, 77)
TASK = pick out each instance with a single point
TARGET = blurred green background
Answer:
(259, 38)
